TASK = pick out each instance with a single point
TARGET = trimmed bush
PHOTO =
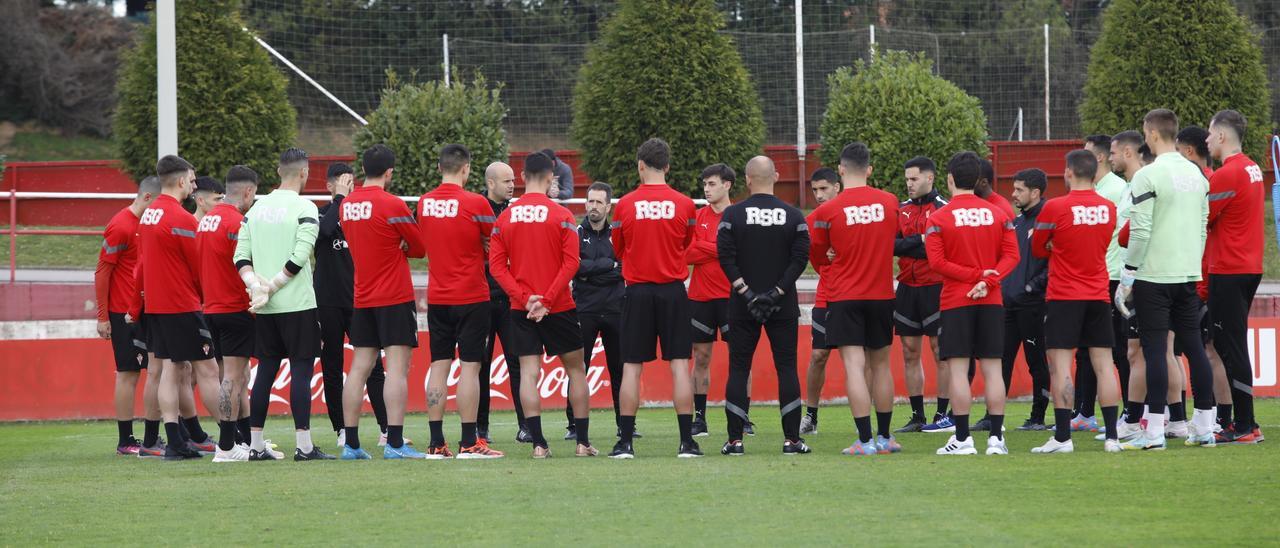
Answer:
(232, 106)
(661, 69)
(415, 120)
(1155, 54)
(899, 108)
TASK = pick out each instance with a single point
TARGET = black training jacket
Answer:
(598, 286)
(1024, 287)
(334, 277)
(764, 241)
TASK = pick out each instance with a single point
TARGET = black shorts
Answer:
(915, 310)
(461, 327)
(1077, 324)
(383, 326)
(233, 334)
(293, 335)
(181, 337)
(860, 323)
(127, 344)
(710, 317)
(818, 329)
(972, 332)
(653, 314)
(557, 334)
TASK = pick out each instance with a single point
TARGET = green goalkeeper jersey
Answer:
(1167, 221)
(279, 232)
(1113, 188)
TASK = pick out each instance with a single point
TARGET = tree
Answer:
(661, 69)
(416, 120)
(1152, 55)
(232, 106)
(898, 108)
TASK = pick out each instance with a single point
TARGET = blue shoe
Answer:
(405, 451)
(887, 445)
(943, 424)
(1143, 443)
(1082, 423)
(859, 448)
(354, 454)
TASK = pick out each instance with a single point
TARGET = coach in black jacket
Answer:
(1023, 292)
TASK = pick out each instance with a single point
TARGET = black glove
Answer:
(763, 305)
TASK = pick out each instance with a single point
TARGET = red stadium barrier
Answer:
(74, 379)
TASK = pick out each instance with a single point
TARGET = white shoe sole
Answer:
(997, 451)
(624, 456)
(702, 434)
(948, 430)
(961, 452)
(473, 456)
(688, 456)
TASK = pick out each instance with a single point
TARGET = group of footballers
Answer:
(191, 298)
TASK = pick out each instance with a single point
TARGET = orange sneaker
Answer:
(439, 452)
(480, 450)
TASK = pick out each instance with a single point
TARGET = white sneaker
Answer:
(342, 438)
(239, 453)
(1124, 431)
(1055, 446)
(996, 446)
(954, 447)
(807, 425)
(1176, 429)
(1112, 446)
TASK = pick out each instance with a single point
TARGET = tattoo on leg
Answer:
(224, 400)
(435, 397)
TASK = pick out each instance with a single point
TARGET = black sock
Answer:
(242, 426)
(1134, 411)
(226, 435)
(942, 406)
(1224, 413)
(882, 424)
(627, 424)
(183, 434)
(962, 426)
(863, 425)
(192, 425)
(437, 433)
(1062, 424)
(917, 406)
(700, 404)
(1109, 415)
(997, 426)
(174, 432)
(686, 427)
(395, 436)
(468, 434)
(125, 430)
(534, 426)
(353, 436)
(150, 433)
(812, 412)
(582, 426)
(1178, 411)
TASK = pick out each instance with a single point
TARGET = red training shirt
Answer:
(859, 224)
(708, 281)
(1079, 225)
(119, 254)
(652, 229)
(170, 263)
(1002, 203)
(534, 251)
(966, 237)
(375, 223)
(820, 295)
(454, 225)
(219, 279)
(1236, 200)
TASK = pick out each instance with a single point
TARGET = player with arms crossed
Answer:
(825, 184)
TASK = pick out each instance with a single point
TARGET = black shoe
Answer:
(913, 425)
(689, 450)
(523, 436)
(634, 434)
(795, 447)
(265, 454)
(699, 426)
(484, 435)
(983, 425)
(733, 448)
(622, 450)
(315, 454)
(1033, 426)
(749, 428)
(180, 451)
(570, 433)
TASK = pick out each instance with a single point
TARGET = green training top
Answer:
(1167, 221)
(280, 231)
(1113, 188)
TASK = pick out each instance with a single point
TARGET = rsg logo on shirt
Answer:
(209, 223)
(973, 217)
(862, 215)
(1255, 173)
(151, 217)
(529, 214)
(1090, 215)
(766, 217)
(356, 211)
(439, 209)
(656, 211)
(271, 215)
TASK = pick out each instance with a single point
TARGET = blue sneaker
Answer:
(1082, 423)
(887, 445)
(859, 448)
(1144, 443)
(354, 454)
(405, 451)
(943, 424)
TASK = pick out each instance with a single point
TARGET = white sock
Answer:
(255, 441)
(1203, 420)
(1155, 425)
(303, 438)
